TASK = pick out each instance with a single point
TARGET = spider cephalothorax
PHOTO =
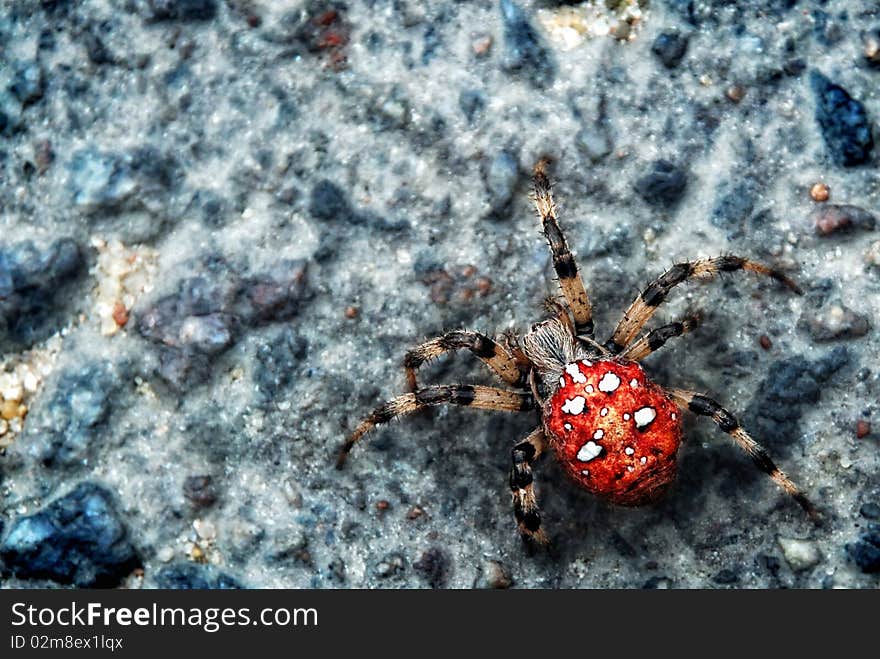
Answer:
(615, 432)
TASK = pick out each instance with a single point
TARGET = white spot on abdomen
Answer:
(575, 373)
(574, 405)
(609, 383)
(567, 426)
(644, 416)
(629, 450)
(599, 434)
(634, 383)
(603, 411)
(589, 451)
(626, 417)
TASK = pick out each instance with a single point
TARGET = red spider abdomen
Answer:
(615, 432)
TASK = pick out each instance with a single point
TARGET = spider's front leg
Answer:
(479, 397)
(525, 505)
(511, 367)
(704, 406)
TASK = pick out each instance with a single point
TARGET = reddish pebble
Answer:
(351, 312)
(863, 429)
(765, 342)
(382, 505)
(820, 192)
(735, 93)
(120, 314)
(415, 512)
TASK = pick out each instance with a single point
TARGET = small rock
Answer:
(389, 566)
(663, 185)
(191, 576)
(670, 48)
(34, 286)
(183, 10)
(329, 202)
(278, 362)
(594, 142)
(27, 82)
(200, 491)
(843, 122)
(863, 429)
(726, 576)
(524, 51)
(472, 102)
(871, 41)
(870, 510)
(77, 539)
(501, 180)
(493, 575)
(799, 554)
(865, 552)
(433, 567)
(833, 321)
(820, 192)
(63, 428)
(841, 219)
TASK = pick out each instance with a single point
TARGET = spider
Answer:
(615, 432)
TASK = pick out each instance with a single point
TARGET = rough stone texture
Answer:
(326, 184)
(78, 539)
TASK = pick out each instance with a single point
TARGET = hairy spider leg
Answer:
(525, 505)
(644, 306)
(563, 261)
(656, 339)
(484, 398)
(704, 406)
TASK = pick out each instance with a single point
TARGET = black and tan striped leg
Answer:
(483, 398)
(644, 306)
(505, 364)
(525, 506)
(703, 406)
(563, 262)
(656, 339)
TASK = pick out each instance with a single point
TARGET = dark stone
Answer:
(191, 576)
(63, 428)
(776, 409)
(472, 103)
(870, 510)
(329, 202)
(670, 47)
(27, 82)
(200, 491)
(725, 577)
(501, 179)
(663, 185)
(278, 362)
(734, 207)
(77, 539)
(96, 49)
(183, 10)
(524, 51)
(833, 321)
(865, 552)
(205, 318)
(433, 567)
(843, 122)
(34, 287)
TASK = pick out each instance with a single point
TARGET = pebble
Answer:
(329, 202)
(831, 219)
(871, 41)
(820, 192)
(433, 566)
(670, 47)
(863, 429)
(67, 422)
(200, 491)
(182, 10)
(493, 575)
(189, 576)
(524, 51)
(872, 254)
(799, 554)
(870, 510)
(865, 551)
(77, 539)
(501, 181)
(663, 185)
(833, 321)
(843, 122)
